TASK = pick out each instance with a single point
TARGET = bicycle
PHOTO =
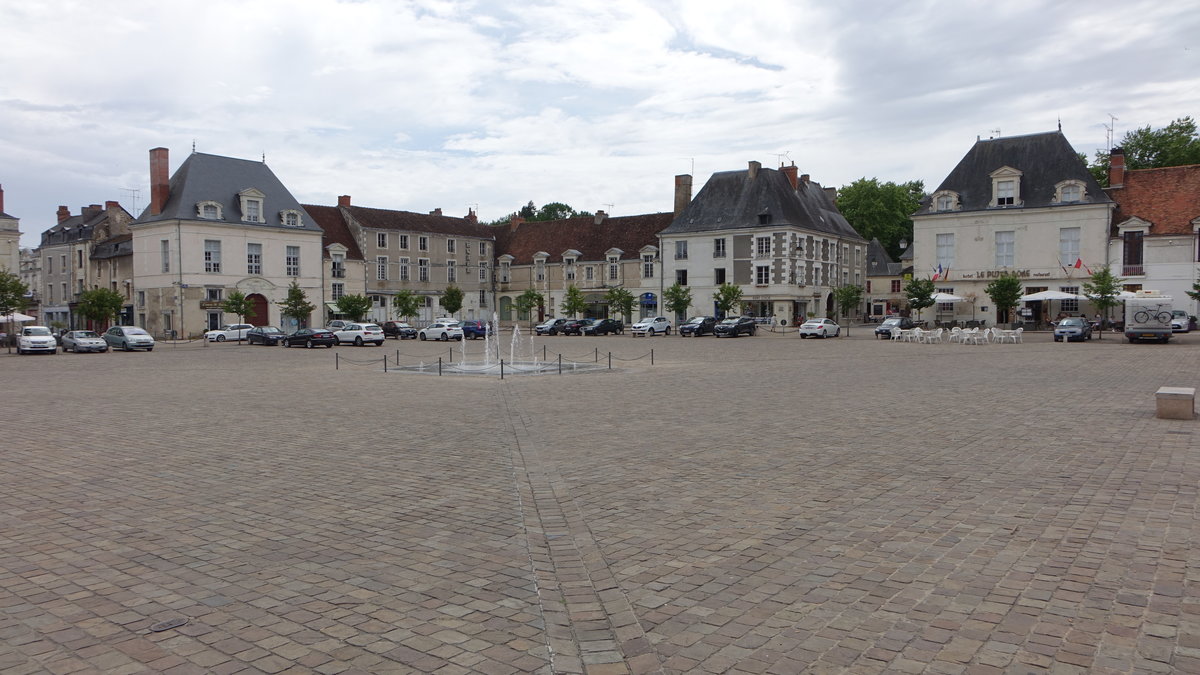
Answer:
(1160, 315)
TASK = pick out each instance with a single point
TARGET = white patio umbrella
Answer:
(16, 317)
(1049, 295)
(946, 297)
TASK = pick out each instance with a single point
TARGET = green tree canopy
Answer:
(881, 210)
(1102, 289)
(1176, 144)
(12, 297)
(727, 296)
(549, 211)
(525, 303)
(678, 299)
(296, 304)
(573, 302)
(847, 298)
(354, 306)
(101, 305)
(620, 300)
(1005, 292)
(406, 303)
(452, 299)
(920, 294)
(237, 303)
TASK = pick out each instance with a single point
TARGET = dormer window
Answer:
(945, 200)
(290, 218)
(1069, 191)
(208, 210)
(251, 202)
(1006, 187)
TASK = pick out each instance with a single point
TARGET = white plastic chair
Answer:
(933, 336)
(896, 332)
(955, 335)
(917, 335)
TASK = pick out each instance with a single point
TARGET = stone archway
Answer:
(261, 315)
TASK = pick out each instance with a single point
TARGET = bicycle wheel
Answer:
(1163, 317)
(1141, 316)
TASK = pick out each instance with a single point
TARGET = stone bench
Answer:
(1176, 403)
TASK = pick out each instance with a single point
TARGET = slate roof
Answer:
(628, 233)
(732, 200)
(886, 266)
(113, 247)
(1044, 159)
(332, 222)
(75, 228)
(409, 221)
(1168, 198)
(203, 177)
(5, 216)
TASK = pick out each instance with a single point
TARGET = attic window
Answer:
(1069, 191)
(764, 218)
(290, 218)
(208, 210)
(945, 200)
(251, 201)
(1006, 187)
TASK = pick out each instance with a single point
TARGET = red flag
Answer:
(1078, 263)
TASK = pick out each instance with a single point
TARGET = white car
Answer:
(441, 330)
(83, 341)
(1180, 321)
(360, 334)
(821, 328)
(232, 331)
(36, 339)
(658, 325)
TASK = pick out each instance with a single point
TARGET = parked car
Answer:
(576, 326)
(1073, 328)
(735, 326)
(129, 338)
(399, 330)
(83, 341)
(232, 331)
(1180, 321)
(549, 327)
(35, 340)
(901, 322)
(820, 327)
(441, 330)
(660, 325)
(310, 337)
(604, 327)
(697, 326)
(264, 335)
(476, 329)
(336, 325)
(360, 334)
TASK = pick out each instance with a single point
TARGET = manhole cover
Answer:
(168, 624)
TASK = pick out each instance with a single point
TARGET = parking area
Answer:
(764, 504)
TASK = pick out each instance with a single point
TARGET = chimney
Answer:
(436, 212)
(514, 222)
(160, 181)
(63, 213)
(1116, 167)
(790, 172)
(471, 217)
(683, 193)
(754, 167)
(831, 192)
(600, 216)
(90, 211)
(111, 205)
(804, 178)
(344, 200)
(1, 199)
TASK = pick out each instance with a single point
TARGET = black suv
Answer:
(697, 326)
(884, 330)
(604, 327)
(576, 326)
(399, 330)
(735, 326)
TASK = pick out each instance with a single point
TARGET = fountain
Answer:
(491, 362)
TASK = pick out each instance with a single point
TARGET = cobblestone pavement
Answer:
(763, 504)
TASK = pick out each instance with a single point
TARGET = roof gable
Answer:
(594, 241)
(336, 231)
(1167, 198)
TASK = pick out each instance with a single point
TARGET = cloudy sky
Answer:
(488, 105)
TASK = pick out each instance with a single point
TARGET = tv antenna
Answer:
(780, 156)
(133, 197)
(1112, 124)
(995, 132)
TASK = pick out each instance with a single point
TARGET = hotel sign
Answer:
(996, 274)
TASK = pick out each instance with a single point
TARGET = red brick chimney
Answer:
(344, 200)
(160, 180)
(63, 213)
(436, 212)
(112, 205)
(1, 199)
(516, 220)
(683, 193)
(790, 172)
(1116, 167)
(471, 217)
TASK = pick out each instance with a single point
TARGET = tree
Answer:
(12, 298)
(1176, 144)
(354, 306)
(920, 294)
(525, 303)
(727, 296)
(573, 302)
(620, 300)
(452, 299)
(1005, 292)
(549, 211)
(296, 304)
(678, 299)
(406, 304)
(881, 210)
(101, 305)
(1102, 289)
(847, 298)
(237, 303)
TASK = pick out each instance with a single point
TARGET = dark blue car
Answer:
(476, 329)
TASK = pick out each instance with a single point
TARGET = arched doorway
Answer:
(259, 305)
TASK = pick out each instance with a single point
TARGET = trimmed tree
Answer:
(101, 305)
(727, 296)
(573, 303)
(525, 303)
(621, 300)
(451, 299)
(1102, 289)
(354, 306)
(406, 304)
(847, 298)
(1005, 293)
(920, 294)
(237, 303)
(678, 299)
(296, 305)
(12, 298)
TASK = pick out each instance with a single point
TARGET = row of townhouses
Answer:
(1022, 205)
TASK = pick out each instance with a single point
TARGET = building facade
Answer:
(68, 267)
(345, 269)
(10, 240)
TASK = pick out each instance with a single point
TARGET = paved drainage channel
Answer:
(502, 369)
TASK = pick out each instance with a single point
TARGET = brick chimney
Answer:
(1116, 167)
(516, 221)
(600, 216)
(1, 199)
(790, 172)
(111, 205)
(436, 212)
(344, 200)
(804, 178)
(160, 180)
(63, 213)
(683, 193)
(471, 217)
(754, 167)
(90, 211)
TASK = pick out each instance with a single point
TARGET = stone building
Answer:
(69, 266)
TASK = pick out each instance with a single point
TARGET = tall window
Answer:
(719, 276)
(483, 272)
(483, 248)
(212, 256)
(381, 264)
(254, 259)
(339, 289)
(403, 238)
(381, 240)
(164, 248)
(895, 285)
(614, 268)
(681, 277)
(1072, 305)
(681, 250)
(1068, 245)
(569, 269)
(1005, 245)
(762, 247)
(292, 261)
(946, 306)
(403, 269)
(718, 248)
(504, 270)
(339, 266)
(589, 273)
(648, 266)
(1006, 190)
(422, 243)
(451, 271)
(253, 210)
(762, 275)
(423, 269)
(945, 250)
(539, 267)
(449, 246)
(1131, 257)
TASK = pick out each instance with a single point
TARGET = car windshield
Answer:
(890, 322)
(135, 331)
(371, 326)
(86, 334)
(37, 330)
(697, 319)
(270, 329)
(729, 321)
(1071, 322)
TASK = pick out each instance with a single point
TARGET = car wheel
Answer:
(379, 344)
(358, 341)
(149, 349)
(803, 336)
(125, 346)
(458, 337)
(329, 346)
(422, 336)
(445, 337)
(668, 331)
(220, 338)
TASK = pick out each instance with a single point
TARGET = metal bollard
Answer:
(652, 357)
(560, 364)
(502, 369)
(385, 363)
(597, 354)
(439, 366)
(610, 360)
(336, 361)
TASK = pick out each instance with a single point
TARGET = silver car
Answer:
(1073, 328)
(129, 338)
(83, 341)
